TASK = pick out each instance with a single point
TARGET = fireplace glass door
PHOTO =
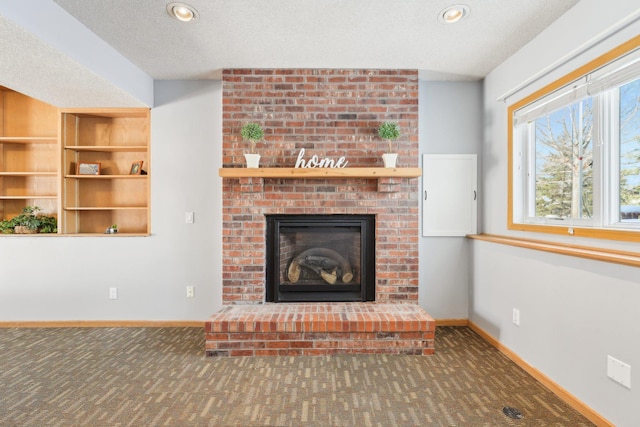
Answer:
(320, 258)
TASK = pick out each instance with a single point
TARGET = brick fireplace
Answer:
(329, 113)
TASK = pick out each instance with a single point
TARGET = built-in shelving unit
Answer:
(29, 154)
(114, 138)
(320, 173)
(41, 147)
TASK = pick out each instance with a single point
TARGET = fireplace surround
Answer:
(329, 113)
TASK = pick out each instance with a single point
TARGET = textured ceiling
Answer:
(317, 34)
(83, 53)
(34, 68)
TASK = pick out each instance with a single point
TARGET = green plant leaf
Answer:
(252, 132)
(32, 220)
(389, 131)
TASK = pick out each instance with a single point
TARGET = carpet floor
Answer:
(160, 377)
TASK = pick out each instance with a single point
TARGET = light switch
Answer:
(188, 217)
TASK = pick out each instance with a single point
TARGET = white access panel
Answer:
(449, 194)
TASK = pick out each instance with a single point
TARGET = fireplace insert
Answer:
(320, 258)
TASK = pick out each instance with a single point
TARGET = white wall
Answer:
(73, 274)
(450, 123)
(574, 312)
(67, 278)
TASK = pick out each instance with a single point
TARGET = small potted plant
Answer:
(389, 131)
(7, 227)
(253, 133)
(112, 230)
(29, 222)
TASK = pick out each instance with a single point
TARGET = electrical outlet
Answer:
(516, 317)
(619, 371)
(188, 217)
(113, 293)
(190, 291)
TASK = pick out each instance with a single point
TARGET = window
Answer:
(575, 151)
(629, 155)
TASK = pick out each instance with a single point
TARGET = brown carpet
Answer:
(160, 377)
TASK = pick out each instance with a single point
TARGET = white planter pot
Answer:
(253, 160)
(389, 160)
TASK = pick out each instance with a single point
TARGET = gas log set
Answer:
(326, 263)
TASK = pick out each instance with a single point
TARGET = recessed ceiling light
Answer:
(182, 12)
(453, 14)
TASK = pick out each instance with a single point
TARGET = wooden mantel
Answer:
(320, 172)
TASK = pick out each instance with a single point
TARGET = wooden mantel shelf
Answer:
(320, 172)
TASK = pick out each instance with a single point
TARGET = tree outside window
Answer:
(630, 152)
(564, 162)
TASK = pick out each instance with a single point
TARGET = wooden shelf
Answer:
(599, 254)
(105, 208)
(40, 148)
(27, 174)
(108, 235)
(109, 148)
(29, 140)
(29, 154)
(319, 173)
(115, 138)
(107, 176)
(26, 197)
(101, 113)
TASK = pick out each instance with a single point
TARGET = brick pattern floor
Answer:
(319, 329)
(155, 377)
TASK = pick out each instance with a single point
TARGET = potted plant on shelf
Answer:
(7, 227)
(253, 133)
(29, 222)
(389, 131)
(112, 230)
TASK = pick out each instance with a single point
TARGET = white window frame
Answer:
(601, 80)
(526, 212)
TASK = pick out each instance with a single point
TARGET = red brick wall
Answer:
(329, 113)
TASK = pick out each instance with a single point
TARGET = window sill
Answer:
(623, 234)
(631, 259)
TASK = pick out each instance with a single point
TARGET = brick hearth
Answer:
(319, 329)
